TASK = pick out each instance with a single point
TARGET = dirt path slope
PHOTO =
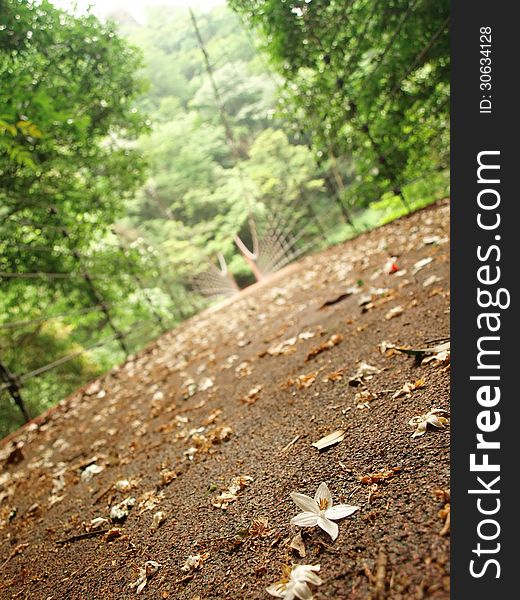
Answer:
(210, 429)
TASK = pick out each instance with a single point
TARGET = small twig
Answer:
(17, 550)
(324, 546)
(380, 576)
(293, 441)
(184, 579)
(102, 494)
(82, 536)
(368, 573)
(442, 339)
(446, 528)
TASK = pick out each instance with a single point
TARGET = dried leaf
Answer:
(302, 381)
(363, 372)
(259, 528)
(379, 477)
(158, 519)
(98, 523)
(149, 500)
(205, 384)
(298, 545)
(167, 476)
(408, 388)
(386, 348)
(123, 485)
(244, 369)
(306, 335)
(223, 500)
(90, 471)
(441, 358)
(252, 396)
(231, 494)
(363, 398)
(334, 340)
(334, 375)
(113, 534)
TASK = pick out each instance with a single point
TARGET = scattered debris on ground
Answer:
(176, 474)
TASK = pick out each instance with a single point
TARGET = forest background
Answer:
(130, 158)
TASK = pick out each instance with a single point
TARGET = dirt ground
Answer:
(235, 397)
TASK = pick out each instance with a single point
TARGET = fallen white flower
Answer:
(294, 583)
(319, 511)
(205, 384)
(119, 512)
(145, 573)
(231, 494)
(366, 371)
(432, 417)
(123, 485)
(190, 452)
(239, 483)
(90, 471)
(195, 562)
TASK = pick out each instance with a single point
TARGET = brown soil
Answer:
(140, 421)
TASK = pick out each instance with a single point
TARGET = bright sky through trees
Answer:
(136, 7)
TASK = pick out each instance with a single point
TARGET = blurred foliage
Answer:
(202, 186)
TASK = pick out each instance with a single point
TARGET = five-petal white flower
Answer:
(319, 511)
(432, 417)
(294, 583)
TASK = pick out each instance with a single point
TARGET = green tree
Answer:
(68, 165)
(364, 79)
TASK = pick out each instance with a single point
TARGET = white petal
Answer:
(306, 503)
(299, 570)
(306, 573)
(305, 519)
(302, 591)
(437, 411)
(290, 594)
(277, 590)
(328, 526)
(435, 421)
(421, 430)
(311, 577)
(340, 511)
(323, 493)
